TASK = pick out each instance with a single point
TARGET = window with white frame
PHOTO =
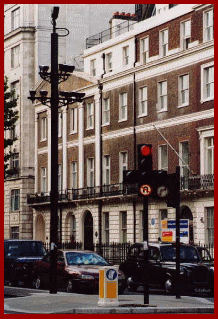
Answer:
(59, 124)
(90, 115)
(123, 164)
(126, 55)
(90, 172)
(106, 170)
(43, 180)
(93, 67)
(15, 161)
(208, 26)
(106, 228)
(73, 120)
(15, 56)
(162, 96)
(43, 128)
(163, 43)
(185, 34)
(143, 101)
(206, 135)
(184, 154)
(106, 111)
(109, 65)
(60, 186)
(123, 107)
(123, 227)
(74, 175)
(15, 87)
(207, 82)
(210, 225)
(162, 157)
(209, 155)
(183, 90)
(15, 199)
(144, 50)
(15, 19)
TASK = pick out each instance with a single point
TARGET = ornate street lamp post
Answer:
(58, 74)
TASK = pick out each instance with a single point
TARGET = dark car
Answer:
(76, 271)
(195, 277)
(19, 257)
(205, 256)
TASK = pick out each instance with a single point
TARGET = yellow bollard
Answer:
(108, 286)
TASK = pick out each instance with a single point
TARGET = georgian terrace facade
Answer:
(140, 96)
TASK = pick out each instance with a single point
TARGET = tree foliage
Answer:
(10, 118)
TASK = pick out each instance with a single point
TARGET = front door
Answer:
(88, 232)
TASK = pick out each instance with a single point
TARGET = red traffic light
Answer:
(145, 157)
(146, 150)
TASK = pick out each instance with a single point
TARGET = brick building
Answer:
(151, 82)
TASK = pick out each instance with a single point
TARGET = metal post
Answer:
(145, 239)
(178, 236)
(54, 161)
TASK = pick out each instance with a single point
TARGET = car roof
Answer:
(21, 240)
(159, 244)
(77, 250)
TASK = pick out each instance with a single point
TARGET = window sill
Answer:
(124, 120)
(207, 99)
(142, 115)
(183, 105)
(73, 132)
(163, 110)
(105, 124)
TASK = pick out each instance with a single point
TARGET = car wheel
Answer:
(168, 285)
(130, 285)
(70, 285)
(38, 282)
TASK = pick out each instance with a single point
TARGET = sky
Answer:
(88, 20)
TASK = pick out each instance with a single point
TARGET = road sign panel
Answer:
(145, 190)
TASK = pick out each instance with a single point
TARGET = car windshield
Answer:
(74, 258)
(187, 254)
(24, 249)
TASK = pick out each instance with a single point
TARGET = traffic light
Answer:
(155, 183)
(161, 189)
(173, 199)
(130, 177)
(145, 157)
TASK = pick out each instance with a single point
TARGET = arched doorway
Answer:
(185, 213)
(88, 231)
(40, 228)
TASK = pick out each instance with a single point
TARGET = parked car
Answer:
(77, 270)
(194, 275)
(205, 256)
(19, 257)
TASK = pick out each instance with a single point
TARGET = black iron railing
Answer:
(113, 252)
(200, 182)
(109, 33)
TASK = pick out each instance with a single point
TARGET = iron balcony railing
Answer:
(200, 182)
(109, 33)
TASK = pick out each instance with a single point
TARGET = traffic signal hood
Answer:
(145, 157)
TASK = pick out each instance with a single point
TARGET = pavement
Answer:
(30, 301)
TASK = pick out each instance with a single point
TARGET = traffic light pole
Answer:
(178, 235)
(146, 260)
(54, 161)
